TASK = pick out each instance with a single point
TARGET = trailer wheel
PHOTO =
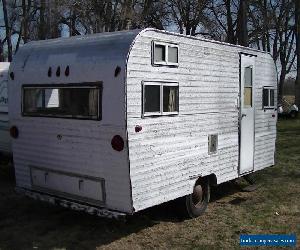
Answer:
(293, 114)
(250, 178)
(196, 203)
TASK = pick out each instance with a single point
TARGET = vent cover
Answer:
(212, 144)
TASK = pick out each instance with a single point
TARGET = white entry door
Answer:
(247, 80)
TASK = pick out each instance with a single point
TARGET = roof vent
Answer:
(67, 71)
(117, 71)
(58, 71)
(49, 72)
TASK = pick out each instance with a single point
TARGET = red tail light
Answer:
(117, 143)
(14, 132)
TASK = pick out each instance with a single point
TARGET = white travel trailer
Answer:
(114, 123)
(5, 141)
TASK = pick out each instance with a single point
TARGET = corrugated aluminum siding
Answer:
(171, 151)
(82, 147)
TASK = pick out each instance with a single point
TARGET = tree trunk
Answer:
(52, 28)
(280, 85)
(7, 30)
(230, 34)
(126, 15)
(297, 22)
(24, 24)
(242, 29)
(42, 24)
(1, 51)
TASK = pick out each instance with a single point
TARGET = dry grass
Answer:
(273, 208)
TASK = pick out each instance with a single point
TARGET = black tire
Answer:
(196, 203)
(293, 114)
(250, 178)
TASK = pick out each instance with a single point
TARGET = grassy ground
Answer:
(273, 208)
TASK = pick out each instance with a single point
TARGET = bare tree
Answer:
(153, 13)
(231, 17)
(26, 8)
(272, 29)
(42, 25)
(242, 23)
(297, 22)
(187, 15)
(1, 51)
(8, 30)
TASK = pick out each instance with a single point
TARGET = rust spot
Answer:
(49, 72)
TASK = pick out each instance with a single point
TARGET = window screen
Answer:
(172, 54)
(160, 98)
(248, 76)
(268, 97)
(65, 102)
(159, 53)
(170, 98)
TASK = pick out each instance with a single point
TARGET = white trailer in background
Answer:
(114, 123)
(5, 141)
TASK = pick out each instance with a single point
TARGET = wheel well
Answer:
(212, 179)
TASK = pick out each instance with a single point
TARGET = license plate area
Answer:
(68, 185)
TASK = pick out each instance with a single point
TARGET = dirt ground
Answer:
(273, 208)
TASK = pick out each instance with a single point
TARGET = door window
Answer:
(248, 80)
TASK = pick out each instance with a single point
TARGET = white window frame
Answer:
(166, 62)
(269, 99)
(95, 85)
(161, 112)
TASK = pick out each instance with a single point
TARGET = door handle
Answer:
(243, 115)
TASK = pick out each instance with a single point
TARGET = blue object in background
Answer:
(268, 240)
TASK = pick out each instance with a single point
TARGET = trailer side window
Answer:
(77, 102)
(160, 98)
(268, 97)
(165, 54)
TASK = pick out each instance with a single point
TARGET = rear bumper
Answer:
(74, 205)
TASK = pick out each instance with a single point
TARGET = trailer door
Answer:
(247, 113)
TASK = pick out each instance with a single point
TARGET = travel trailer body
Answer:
(114, 123)
(5, 141)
